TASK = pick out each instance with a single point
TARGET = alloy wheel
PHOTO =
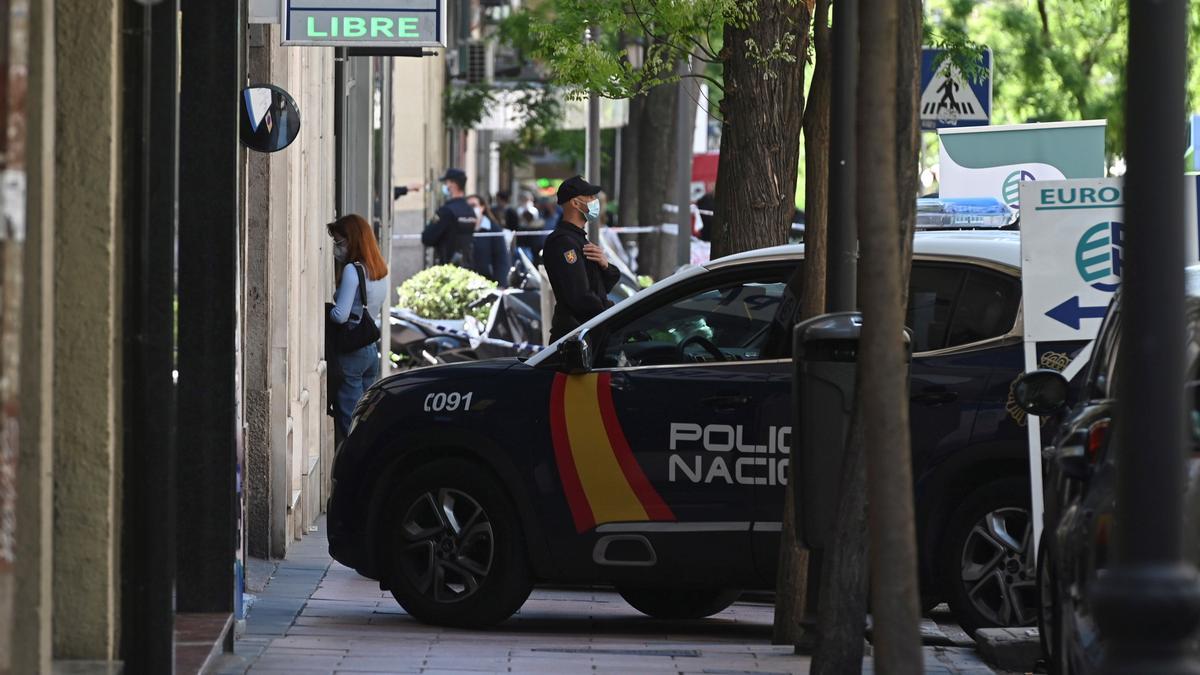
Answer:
(447, 545)
(998, 571)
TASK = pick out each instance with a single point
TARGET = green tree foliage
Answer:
(1054, 59)
(664, 30)
(444, 292)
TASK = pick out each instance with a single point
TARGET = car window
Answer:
(952, 305)
(986, 308)
(932, 291)
(727, 322)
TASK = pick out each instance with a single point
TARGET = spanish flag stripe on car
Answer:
(600, 476)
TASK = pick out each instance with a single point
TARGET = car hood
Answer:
(447, 372)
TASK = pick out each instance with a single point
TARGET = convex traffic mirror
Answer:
(270, 118)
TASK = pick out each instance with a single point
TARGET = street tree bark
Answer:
(760, 135)
(627, 209)
(817, 115)
(791, 586)
(883, 405)
(908, 130)
(655, 145)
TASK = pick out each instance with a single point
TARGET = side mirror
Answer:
(1042, 392)
(574, 354)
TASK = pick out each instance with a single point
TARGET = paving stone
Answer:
(1015, 649)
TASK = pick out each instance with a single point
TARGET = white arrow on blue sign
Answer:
(948, 99)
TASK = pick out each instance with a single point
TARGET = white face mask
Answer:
(593, 211)
(478, 211)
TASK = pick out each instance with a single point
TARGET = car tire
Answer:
(986, 561)
(456, 549)
(1049, 608)
(674, 603)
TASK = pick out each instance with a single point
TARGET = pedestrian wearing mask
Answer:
(491, 252)
(453, 226)
(357, 310)
(578, 269)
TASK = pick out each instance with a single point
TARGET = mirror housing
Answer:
(574, 355)
(1042, 392)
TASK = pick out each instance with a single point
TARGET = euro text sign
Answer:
(364, 23)
(1072, 246)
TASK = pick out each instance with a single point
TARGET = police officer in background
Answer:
(452, 230)
(578, 269)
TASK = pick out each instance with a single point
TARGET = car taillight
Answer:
(1096, 438)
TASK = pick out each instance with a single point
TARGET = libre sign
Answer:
(364, 23)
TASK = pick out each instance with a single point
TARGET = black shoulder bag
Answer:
(351, 336)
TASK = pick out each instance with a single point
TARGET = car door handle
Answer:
(726, 401)
(935, 396)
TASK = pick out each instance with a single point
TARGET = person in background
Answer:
(491, 252)
(453, 226)
(355, 250)
(508, 215)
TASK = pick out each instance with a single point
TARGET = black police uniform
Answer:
(451, 234)
(580, 286)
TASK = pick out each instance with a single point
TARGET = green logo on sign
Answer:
(1012, 187)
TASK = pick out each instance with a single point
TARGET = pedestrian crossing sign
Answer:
(948, 99)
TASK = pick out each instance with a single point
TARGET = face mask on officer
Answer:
(445, 190)
(591, 210)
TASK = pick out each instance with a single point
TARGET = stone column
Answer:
(86, 330)
(31, 635)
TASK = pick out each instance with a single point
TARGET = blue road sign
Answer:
(948, 99)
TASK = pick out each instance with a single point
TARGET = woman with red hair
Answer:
(359, 264)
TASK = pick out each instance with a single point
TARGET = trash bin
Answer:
(825, 350)
(825, 354)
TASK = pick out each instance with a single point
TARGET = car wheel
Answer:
(457, 554)
(679, 603)
(987, 563)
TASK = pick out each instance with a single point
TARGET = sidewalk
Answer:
(316, 616)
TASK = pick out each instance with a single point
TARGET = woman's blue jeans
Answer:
(360, 369)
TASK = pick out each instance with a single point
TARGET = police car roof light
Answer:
(961, 213)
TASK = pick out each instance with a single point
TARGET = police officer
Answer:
(578, 269)
(452, 230)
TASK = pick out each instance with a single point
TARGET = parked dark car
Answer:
(1079, 472)
(649, 450)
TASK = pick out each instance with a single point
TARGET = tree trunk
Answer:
(842, 607)
(679, 186)
(883, 405)
(656, 141)
(791, 585)
(627, 213)
(760, 134)
(908, 130)
(816, 155)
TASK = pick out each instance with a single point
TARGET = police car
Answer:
(649, 449)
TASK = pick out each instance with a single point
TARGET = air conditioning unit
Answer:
(479, 62)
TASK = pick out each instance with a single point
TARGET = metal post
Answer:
(842, 274)
(593, 138)
(151, 127)
(212, 75)
(1148, 603)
